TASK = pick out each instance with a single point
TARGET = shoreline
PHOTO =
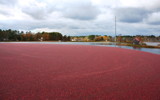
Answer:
(116, 43)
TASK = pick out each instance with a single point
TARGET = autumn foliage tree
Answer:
(13, 35)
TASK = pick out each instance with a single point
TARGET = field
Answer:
(76, 72)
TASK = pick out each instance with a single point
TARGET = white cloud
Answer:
(154, 18)
(81, 17)
(8, 2)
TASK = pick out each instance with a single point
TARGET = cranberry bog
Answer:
(77, 72)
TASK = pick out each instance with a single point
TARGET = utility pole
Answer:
(115, 30)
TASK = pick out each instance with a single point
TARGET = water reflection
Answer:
(136, 48)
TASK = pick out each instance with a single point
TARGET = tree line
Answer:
(125, 38)
(14, 35)
(143, 38)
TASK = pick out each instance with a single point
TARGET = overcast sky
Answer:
(82, 17)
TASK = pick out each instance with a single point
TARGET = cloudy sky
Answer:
(82, 17)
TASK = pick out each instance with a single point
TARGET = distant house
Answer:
(136, 41)
(41, 39)
(75, 39)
